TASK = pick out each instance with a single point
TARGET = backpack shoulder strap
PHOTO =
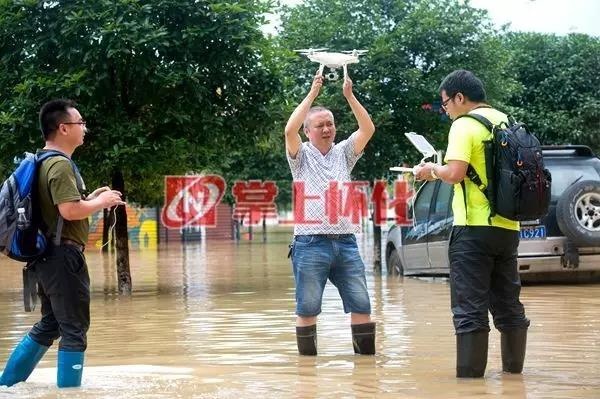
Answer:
(41, 157)
(52, 153)
(479, 118)
(471, 172)
(79, 180)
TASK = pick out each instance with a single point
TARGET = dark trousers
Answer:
(64, 291)
(484, 276)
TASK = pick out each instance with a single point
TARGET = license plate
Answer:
(533, 232)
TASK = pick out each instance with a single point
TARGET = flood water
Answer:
(216, 320)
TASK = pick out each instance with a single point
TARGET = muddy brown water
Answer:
(215, 320)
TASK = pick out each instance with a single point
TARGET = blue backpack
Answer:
(21, 227)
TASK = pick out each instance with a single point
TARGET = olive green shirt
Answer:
(56, 185)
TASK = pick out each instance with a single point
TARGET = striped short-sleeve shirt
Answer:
(315, 171)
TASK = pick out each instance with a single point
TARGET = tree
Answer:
(558, 95)
(167, 86)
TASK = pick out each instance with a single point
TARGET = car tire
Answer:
(394, 264)
(578, 213)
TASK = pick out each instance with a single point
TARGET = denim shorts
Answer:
(316, 258)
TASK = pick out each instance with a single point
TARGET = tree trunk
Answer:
(122, 239)
(376, 246)
(158, 226)
(264, 226)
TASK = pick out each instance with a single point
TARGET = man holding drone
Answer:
(323, 250)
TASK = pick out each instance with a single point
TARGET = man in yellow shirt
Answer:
(483, 250)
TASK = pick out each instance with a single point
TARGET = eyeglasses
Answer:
(74, 123)
(445, 103)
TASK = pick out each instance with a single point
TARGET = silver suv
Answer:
(563, 246)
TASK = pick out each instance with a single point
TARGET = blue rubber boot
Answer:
(70, 369)
(22, 361)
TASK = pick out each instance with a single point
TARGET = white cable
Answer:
(111, 229)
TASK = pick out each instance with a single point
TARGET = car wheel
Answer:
(578, 213)
(394, 264)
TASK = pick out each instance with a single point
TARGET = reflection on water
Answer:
(216, 321)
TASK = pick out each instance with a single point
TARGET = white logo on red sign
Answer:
(191, 201)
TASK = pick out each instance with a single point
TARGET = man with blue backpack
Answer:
(497, 170)
(58, 212)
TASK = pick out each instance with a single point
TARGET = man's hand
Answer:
(317, 83)
(110, 198)
(365, 124)
(97, 192)
(423, 171)
(347, 87)
(292, 138)
(78, 210)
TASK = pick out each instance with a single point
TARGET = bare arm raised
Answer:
(292, 138)
(365, 124)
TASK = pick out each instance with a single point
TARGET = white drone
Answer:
(331, 60)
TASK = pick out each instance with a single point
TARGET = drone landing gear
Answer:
(333, 75)
(321, 67)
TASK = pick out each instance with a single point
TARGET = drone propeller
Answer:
(359, 52)
(309, 50)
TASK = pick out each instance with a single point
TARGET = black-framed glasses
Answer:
(445, 103)
(74, 123)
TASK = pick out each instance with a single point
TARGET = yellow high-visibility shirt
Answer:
(465, 143)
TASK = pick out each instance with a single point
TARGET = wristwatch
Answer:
(433, 175)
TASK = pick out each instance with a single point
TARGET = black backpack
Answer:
(520, 184)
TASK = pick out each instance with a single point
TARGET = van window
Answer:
(442, 202)
(423, 202)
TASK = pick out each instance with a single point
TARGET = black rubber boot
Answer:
(363, 338)
(471, 354)
(307, 340)
(513, 345)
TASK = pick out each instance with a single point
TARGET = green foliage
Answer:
(167, 86)
(559, 97)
